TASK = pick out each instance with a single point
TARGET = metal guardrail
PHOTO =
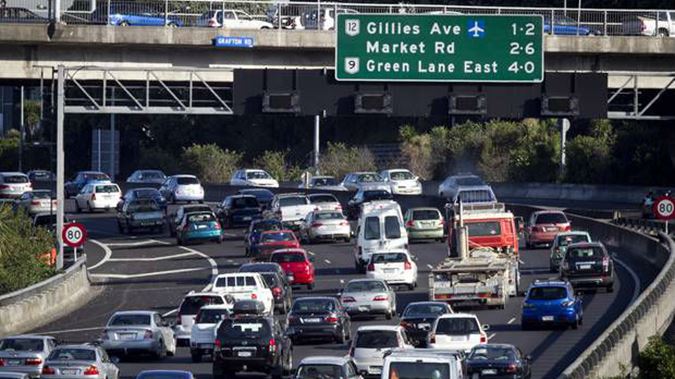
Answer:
(321, 15)
(650, 227)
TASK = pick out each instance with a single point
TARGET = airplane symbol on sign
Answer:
(476, 29)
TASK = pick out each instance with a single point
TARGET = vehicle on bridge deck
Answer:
(551, 303)
(253, 178)
(588, 264)
(233, 19)
(560, 244)
(418, 317)
(567, 26)
(14, 184)
(25, 354)
(327, 366)
(323, 19)
(318, 317)
(198, 227)
(424, 223)
(402, 182)
(647, 24)
(544, 226)
(368, 297)
(98, 196)
(138, 332)
(498, 361)
(371, 343)
(204, 330)
(83, 361)
(457, 331)
(140, 214)
(297, 265)
(82, 178)
(140, 14)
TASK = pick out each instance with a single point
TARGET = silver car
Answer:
(370, 344)
(325, 202)
(368, 297)
(36, 201)
(13, 375)
(84, 361)
(325, 225)
(147, 177)
(14, 184)
(134, 332)
(25, 354)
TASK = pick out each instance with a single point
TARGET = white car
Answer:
(290, 208)
(457, 331)
(253, 178)
(379, 228)
(188, 309)
(370, 344)
(450, 186)
(94, 196)
(402, 182)
(182, 188)
(14, 184)
(395, 267)
(354, 180)
(324, 202)
(204, 330)
(37, 201)
(136, 331)
(233, 19)
(245, 286)
(325, 225)
(327, 367)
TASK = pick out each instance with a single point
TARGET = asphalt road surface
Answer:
(150, 272)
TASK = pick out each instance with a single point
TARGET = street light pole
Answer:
(57, 11)
(60, 164)
(22, 129)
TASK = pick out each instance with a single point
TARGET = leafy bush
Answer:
(424, 154)
(276, 164)
(211, 163)
(20, 250)
(590, 157)
(339, 159)
(9, 150)
(657, 360)
(158, 158)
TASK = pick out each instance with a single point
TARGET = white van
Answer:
(422, 363)
(380, 228)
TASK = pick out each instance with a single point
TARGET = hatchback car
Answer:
(318, 317)
(297, 265)
(182, 188)
(395, 267)
(140, 214)
(457, 331)
(560, 243)
(253, 178)
(199, 227)
(276, 280)
(588, 264)
(372, 342)
(552, 303)
(36, 201)
(238, 210)
(143, 193)
(98, 196)
(418, 317)
(138, 332)
(402, 182)
(368, 297)
(355, 180)
(543, 226)
(79, 361)
(498, 360)
(174, 219)
(325, 225)
(25, 353)
(424, 223)
(274, 240)
(188, 309)
(83, 178)
(147, 177)
(327, 367)
(41, 176)
(449, 188)
(257, 227)
(204, 330)
(14, 184)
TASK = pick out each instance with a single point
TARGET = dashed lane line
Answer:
(511, 321)
(491, 336)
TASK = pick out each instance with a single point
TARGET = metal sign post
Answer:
(60, 165)
(664, 209)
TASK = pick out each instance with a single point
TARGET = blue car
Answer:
(81, 179)
(199, 227)
(255, 230)
(143, 193)
(566, 26)
(140, 14)
(552, 303)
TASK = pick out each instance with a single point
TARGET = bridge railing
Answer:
(321, 15)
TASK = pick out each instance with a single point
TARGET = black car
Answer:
(264, 196)
(142, 193)
(20, 15)
(354, 204)
(251, 343)
(498, 361)
(318, 317)
(41, 176)
(172, 220)
(256, 228)
(587, 264)
(83, 178)
(417, 319)
(140, 214)
(276, 280)
(238, 210)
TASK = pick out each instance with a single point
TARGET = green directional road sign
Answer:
(439, 48)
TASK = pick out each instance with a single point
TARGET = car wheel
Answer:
(662, 33)
(123, 23)
(172, 25)
(288, 367)
(196, 357)
(388, 315)
(89, 209)
(310, 286)
(610, 288)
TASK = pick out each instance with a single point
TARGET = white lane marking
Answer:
(147, 274)
(73, 330)
(108, 254)
(636, 279)
(230, 235)
(430, 267)
(310, 253)
(491, 336)
(214, 265)
(511, 321)
(150, 259)
(139, 243)
(327, 261)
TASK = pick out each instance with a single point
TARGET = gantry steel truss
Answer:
(634, 98)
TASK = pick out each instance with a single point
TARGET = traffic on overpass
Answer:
(176, 246)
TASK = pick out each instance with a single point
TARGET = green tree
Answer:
(339, 159)
(276, 164)
(589, 157)
(657, 360)
(9, 150)
(211, 163)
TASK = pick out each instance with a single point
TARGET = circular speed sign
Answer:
(74, 234)
(664, 208)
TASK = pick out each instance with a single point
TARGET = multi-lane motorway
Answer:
(151, 272)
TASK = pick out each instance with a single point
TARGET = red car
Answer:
(274, 240)
(297, 264)
(543, 227)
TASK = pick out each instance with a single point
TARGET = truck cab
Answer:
(489, 225)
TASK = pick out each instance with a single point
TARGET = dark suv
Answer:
(276, 280)
(588, 264)
(251, 343)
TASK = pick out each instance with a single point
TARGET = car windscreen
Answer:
(392, 227)
(388, 258)
(492, 353)
(484, 229)
(316, 371)
(577, 253)
(93, 176)
(569, 239)
(42, 194)
(257, 175)
(377, 195)
(129, 319)
(71, 354)
(319, 182)
(243, 328)
(314, 305)
(211, 316)
(315, 199)
(457, 326)
(200, 217)
(551, 218)
(186, 180)
(547, 293)
(288, 257)
(376, 339)
(425, 309)
(401, 175)
(427, 214)
(371, 228)
(419, 370)
(475, 196)
(143, 206)
(245, 202)
(21, 344)
(263, 226)
(277, 237)
(329, 216)
(291, 201)
(107, 188)
(470, 181)
(365, 286)
(191, 304)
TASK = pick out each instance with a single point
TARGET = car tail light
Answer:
(483, 338)
(276, 291)
(432, 338)
(272, 345)
(148, 334)
(407, 265)
(93, 196)
(351, 351)
(316, 224)
(254, 296)
(338, 207)
(567, 228)
(46, 370)
(218, 227)
(91, 370)
(371, 267)
(381, 298)
(4, 186)
(405, 324)
(348, 299)
(566, 303)
(35, 202)
(2, 362)
(331, 319)
(605, 264)
(409, 224)
(511, 368)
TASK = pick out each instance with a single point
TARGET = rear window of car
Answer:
(479, 229)
(146, 193)
(243, 328)
(143, 206)
(314, 305)
(201, 217)
(65, 354)
(236, 281)
(416, 370)
(368, 178)
(585, 253)
(422, 215)
(322, 199)
(365, 286)
(492, 353)
(266, 225)
(371, 228)
(457, 326)
(375, 339)
(120, 320)
(245, 202)
(288, 257)
(392, 228)
(152, 175)
(277, 237)
(377, 195)
(310, 371)
(42, 194)
(107, 188)
(270, 279)
(211, 316)
(425, 309)
(401, 175)
(551, 218)
(318, 182)
(547, 293)
(389, 258)
(99, 176)
(21, 344)
(291, 201)
(572, 238)
(183, 181)
(257, 175)
(470, 181)
(329, 216)
(191, 304)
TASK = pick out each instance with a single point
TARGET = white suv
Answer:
(457, 331)
(395, 267)
(245, 286)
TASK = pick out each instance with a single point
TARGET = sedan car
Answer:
(498, 360)
(98, 196)
(402, 182)
(14, 184)
(263, 195)
(588, 264)
(172, 220)
(368, 297)
(449, 188)
(418, 317)
(83, 178)
(140, 214)
(551, 303)
(567, 26)
(41, 176)
(36, 201)
(371, 343)
(324, 183)
(182, 188)
(147, 177)
(325, 226)
(165, 374)
(560, 243)
(276, 280)
(143, 193)
(253, 178)
(395, 267)
(25, 354)
(231, 19)
(318, 317)
(79, 361)
(252, 236)
(327, 367)
(325, 201)
(199, 227)
(238, 210)
(138, 332)
(424, 223)
(297, 265)
(543, 226)
(355, 180)
(146, 15)
(274, 240)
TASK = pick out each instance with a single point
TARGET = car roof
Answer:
(325, 359)
(290, 194)
(322, 177)
(458, 315)
(241, 196)
(293, 250)
(315, 298)
(389, 328)
(13, 173)
(273, 265)
(86, 346)
(148, 313)
(196, 294)
(573, 233)
(277, 231)
(423, 209)
(548, 211)
(92, 172)
(365, 280)
(216, 306)
(549, 283)
(586, 244)
(392, 251)
(27, 336)
(497, 345)
(426, 303)
(148, 189)
(183, 176)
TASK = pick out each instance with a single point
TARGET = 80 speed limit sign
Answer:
(74, 234)
(664, 208)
